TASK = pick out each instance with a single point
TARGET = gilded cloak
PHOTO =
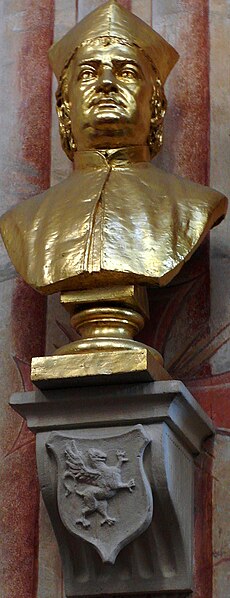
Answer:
(117, 219)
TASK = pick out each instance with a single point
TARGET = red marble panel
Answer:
(84, 7)
(179, 325)
(126, 3)
(28, 33)
(182, 312)
(185, 24)
(20, 520)
(28, 322)
(213, 394)
(179, 320)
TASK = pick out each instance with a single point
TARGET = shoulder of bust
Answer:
(190, 193)
(18, 224)
(28, 208)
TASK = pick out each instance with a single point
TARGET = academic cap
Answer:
(112, 20)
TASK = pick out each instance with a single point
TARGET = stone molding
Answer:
(149, 553)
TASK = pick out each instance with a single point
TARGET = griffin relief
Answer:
(89, 476)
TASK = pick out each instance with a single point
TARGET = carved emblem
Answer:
(101, 481)
(94, 467)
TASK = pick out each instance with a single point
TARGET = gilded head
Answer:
(110, 95)
(111, 68)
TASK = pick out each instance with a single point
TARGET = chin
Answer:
(108, 116)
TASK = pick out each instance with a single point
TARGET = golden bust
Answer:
(117, 219)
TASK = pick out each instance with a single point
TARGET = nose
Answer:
(107, 81)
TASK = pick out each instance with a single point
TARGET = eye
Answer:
(128, 72)
(86, 74)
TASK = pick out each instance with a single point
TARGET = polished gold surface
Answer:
(106, 329)
(96, 368)
(130, 295)
(117, 220)
(133, 91)
(113, 221)
(104, 322)
(131, 95)
(112, 20)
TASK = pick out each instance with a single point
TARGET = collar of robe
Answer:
(122, 156)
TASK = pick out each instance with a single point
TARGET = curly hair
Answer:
(158, 104)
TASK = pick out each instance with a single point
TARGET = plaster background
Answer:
(190, 322)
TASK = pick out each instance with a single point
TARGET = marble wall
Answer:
(190, 322)
(26, 33)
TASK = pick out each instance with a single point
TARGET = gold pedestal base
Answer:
(102, 367)
(106, 345)
(107, 320)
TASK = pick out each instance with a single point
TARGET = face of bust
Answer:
(110, 95)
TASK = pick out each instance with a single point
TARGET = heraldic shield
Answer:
(103, 493)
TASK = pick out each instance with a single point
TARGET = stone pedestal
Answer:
(115, 466)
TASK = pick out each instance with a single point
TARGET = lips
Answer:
(106, 101)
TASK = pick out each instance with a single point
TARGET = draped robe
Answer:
(117, 219)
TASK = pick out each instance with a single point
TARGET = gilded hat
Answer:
(112, 20)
